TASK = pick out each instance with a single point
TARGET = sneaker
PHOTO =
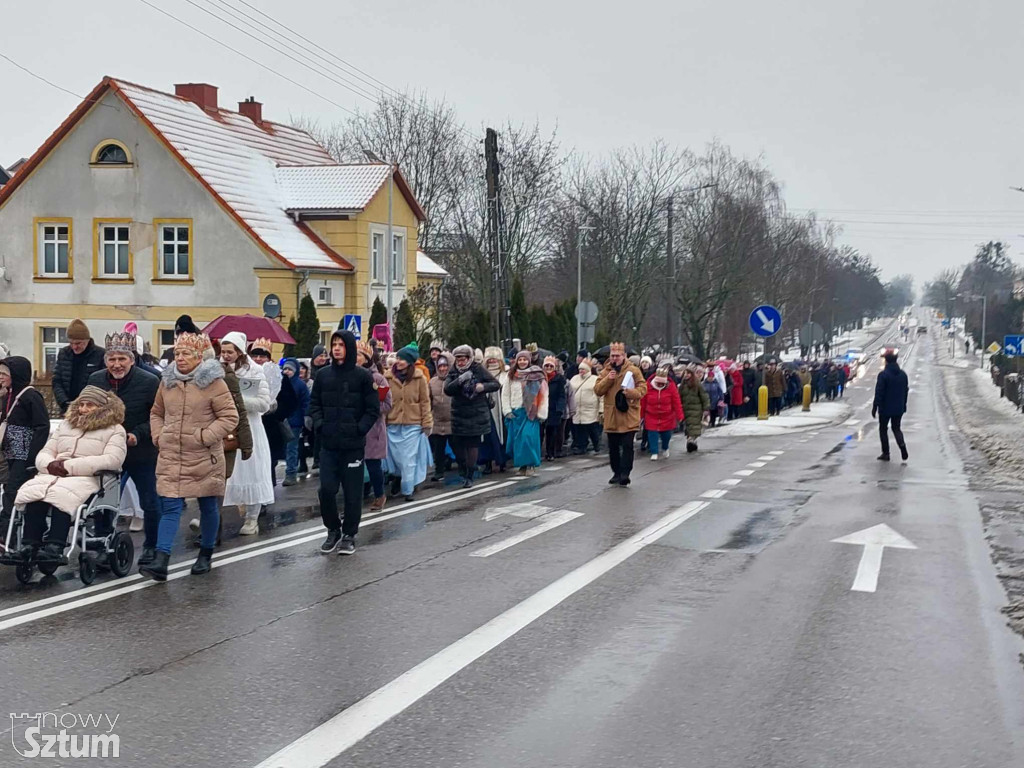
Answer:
(249, 527)
(193, 524)
(467, 483)
(884, 457)
(330, 543)
(347, 546)
(624, 482)
(289, 481)
(666, 453)
(615, 480)
(654, 457)
(136, 525)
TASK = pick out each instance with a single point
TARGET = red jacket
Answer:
(661, 409)
(736, 395)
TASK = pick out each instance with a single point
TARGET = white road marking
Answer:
(767, 458)
(350, 726)
(744, 472)
(874, 540)
(776, 453)
(234, 556)
(758, 464)
(527, 510)
(547, 522)
(731, 481)
(714, 493)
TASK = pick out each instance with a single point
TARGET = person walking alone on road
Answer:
(622, 386)
(891, 391)
(344, 406)
(468, 385)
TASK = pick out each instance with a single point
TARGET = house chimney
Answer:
(201, 94)
(252, 109)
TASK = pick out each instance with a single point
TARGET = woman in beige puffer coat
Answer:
(90, 440)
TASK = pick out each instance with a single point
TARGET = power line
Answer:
(250, 58)
(50, 83)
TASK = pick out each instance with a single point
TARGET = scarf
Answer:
(179, 376)
(659, 383)
(402, 376)
(533, 389)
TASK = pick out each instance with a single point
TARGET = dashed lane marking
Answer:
(776, 453)
(767, 458)
(744, 472)
(731, 481)
(714, 493)
(758, 464)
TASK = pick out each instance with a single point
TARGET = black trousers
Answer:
(35, 524)
(620, 452)
(583, 434)
(438, 444)
(467, 450)
(344, 470)
(897, 432)
(553, 434)
(774, 406)
(17, 474)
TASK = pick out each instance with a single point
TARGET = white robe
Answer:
(250, 482)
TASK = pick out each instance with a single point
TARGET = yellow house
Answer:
(145, 205)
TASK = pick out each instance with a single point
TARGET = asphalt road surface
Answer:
(705, 616)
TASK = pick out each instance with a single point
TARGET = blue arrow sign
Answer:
(354, 323)
(765, 320)
(945, 323)
(1013, 346)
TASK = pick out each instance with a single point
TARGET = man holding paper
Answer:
(622, 386)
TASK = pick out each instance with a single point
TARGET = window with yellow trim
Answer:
(54, 243)
(174, 250)
(111, 152)
(114, 259)
(54, 339)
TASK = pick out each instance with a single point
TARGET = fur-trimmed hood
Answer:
(203, 376)
(109, 414)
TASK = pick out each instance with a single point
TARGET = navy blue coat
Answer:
(891, 391)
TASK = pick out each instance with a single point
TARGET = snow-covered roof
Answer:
(330, 187)
(238, 160)
(427, 266)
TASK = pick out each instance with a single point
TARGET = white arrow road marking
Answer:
(766, 323)
(350, 726)
(874, 540)
(547, 522)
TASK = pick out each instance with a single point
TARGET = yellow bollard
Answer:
(807, 398)
(762, 403)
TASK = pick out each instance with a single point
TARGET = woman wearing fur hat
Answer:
(409, 421)
(377, 438)
(493, 449)
(192, 415)
(88, 441)
(250, 486)
(25, 426)
(525, 400)
(468, 385)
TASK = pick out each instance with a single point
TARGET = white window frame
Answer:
(60, 340)
(398, 258)
(56, 242)
(377, 241)
(177, 242)
(117, 243)
(325, 295)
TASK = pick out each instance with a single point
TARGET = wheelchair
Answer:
(100, 546)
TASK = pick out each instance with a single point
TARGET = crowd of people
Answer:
(212, 419)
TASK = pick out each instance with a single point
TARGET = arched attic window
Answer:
(111, 152)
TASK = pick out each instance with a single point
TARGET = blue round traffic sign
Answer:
(765, 320)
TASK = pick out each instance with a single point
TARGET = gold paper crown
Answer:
(263, 343)
(194, 343)
(617, 346)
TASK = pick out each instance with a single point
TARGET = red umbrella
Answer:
(253, 327)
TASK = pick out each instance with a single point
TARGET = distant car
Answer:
(922, 329)
(855, 354)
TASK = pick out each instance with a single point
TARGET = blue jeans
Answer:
(375, 469)
(291, 458)
(170, 516)
(652, 440)
(144, 477)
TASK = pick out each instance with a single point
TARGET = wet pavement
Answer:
(702, 617)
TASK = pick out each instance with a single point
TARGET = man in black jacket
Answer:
(344, 406)
(891, 391)
(136, 387)
(76, 362)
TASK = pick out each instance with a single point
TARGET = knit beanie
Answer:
(237, 339)
(409, 353)
(119, 344)
(78, 331)
(94, 395)
(184, 324)
(289, 363)
(318, 350)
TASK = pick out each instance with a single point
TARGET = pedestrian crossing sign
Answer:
(354, 324)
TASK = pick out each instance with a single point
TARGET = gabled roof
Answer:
(231, 156)
(4, 177)
(427, 266)
(338, 187)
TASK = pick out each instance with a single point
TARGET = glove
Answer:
(246, 455)
(874, 411)
(465, 377)
(56, 468)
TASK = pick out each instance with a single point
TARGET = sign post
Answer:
(765, 321)
(354, 324)
(586, 316)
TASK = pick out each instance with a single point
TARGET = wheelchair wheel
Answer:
(23, 573)
(86, 569)
(122, 554)
(49, 569)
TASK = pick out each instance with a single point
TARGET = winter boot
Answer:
(147, 556)
(156, 570)
(202, 563)
(691, 447)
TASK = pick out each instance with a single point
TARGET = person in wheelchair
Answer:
(89, 440)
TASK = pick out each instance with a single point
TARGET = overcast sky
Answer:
(901, 120)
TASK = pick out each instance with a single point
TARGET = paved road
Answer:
(703, 617)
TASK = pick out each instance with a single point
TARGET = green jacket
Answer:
(695, 402)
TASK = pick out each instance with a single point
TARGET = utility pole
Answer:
(501, 310)
(579, 281)
(670, 303)
(984, 317)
